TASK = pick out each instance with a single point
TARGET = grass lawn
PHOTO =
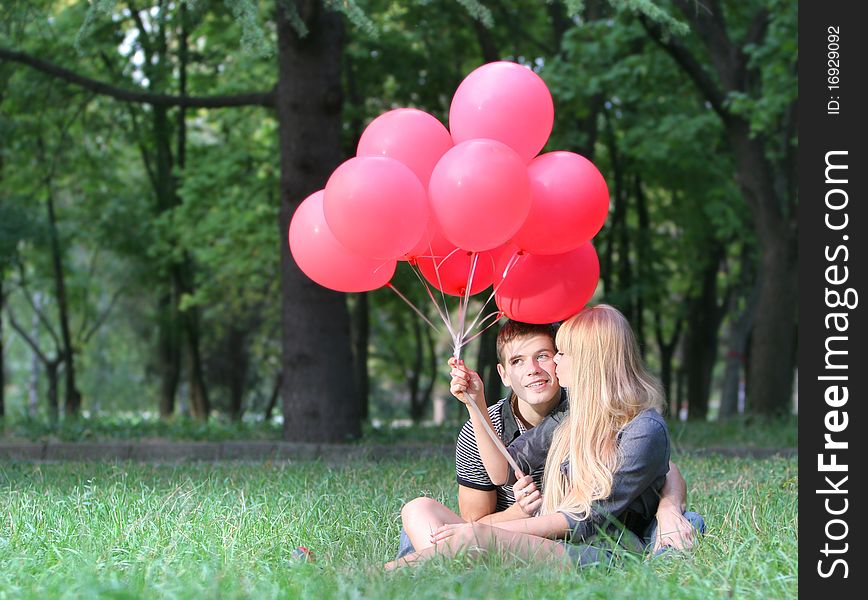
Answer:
(227, 530)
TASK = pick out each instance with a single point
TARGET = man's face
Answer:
(530, 369)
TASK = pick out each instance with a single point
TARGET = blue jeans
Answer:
(405, 546)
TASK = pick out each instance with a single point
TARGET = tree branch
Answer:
(266, 99)
(703, 81)
(33, 345)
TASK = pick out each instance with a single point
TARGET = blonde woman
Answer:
(605, 460)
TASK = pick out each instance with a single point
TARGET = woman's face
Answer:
(564, 368)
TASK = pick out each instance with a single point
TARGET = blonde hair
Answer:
(608, 388)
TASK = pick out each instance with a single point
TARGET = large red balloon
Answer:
(409, 135)
(569, 204)
(376, 206)
(480, 194)
(447, 268)
(503, 101)
(545, 289)
(325, 260)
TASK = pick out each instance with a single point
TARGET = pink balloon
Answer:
(545, 289)
(322, 258)
(447, 268)
(569, 204)
(423, 246)
(480, 194)
(409, 135)
(503, 101)
(376, 206)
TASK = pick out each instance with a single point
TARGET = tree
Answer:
(748, 79)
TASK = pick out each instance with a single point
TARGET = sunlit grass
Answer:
(227, 530)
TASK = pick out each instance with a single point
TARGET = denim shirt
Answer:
(643, 445)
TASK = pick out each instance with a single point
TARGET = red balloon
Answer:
(376, 206)
(503, 101)
(480, 194)
(569, 204)
(450, 274)
(545, 289)
(322, 258)
(409, 135)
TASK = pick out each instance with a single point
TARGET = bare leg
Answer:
(423, 516)
(487, 538)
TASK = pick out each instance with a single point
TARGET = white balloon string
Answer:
(463, 304)
(444, 317)
(512, 261)
(413, 306)
(496, 314)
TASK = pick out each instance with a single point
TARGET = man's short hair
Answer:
(512, 330)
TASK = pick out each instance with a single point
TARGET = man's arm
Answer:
(475, 504)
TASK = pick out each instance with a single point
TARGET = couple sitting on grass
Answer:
(596, 457)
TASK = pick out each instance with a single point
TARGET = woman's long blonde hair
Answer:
(609, 387)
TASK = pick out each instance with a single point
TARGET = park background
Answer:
(151, 156)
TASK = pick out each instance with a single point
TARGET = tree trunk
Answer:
(773, 207)
(320, 403)
(703, 324)
(51, 376)
(2, 342)
(740, 326)
(667, 356)
(772, 356)
(73, 396)
(168, 355)
(360, 337)
(414, 377)
(486, 363)
(272, 400)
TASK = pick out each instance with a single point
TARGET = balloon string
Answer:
(444, 317)
(413, 306)
(463, 304)
(496, 314)
(509, 265)
(498, 443)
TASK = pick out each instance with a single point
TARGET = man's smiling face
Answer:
(530, 369)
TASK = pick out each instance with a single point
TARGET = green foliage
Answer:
(228, 530)
(253, 39)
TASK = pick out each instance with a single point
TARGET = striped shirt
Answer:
(469, 470)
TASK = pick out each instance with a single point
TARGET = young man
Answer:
(525, 355)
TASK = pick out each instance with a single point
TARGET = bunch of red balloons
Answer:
(471, 207)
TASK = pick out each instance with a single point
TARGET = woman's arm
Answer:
(553, 526)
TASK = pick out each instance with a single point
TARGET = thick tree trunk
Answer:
(320, 403)
(772, 356)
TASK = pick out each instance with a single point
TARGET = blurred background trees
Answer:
(153, 152)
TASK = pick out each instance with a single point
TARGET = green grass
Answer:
(227, 530)
(751, 432)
